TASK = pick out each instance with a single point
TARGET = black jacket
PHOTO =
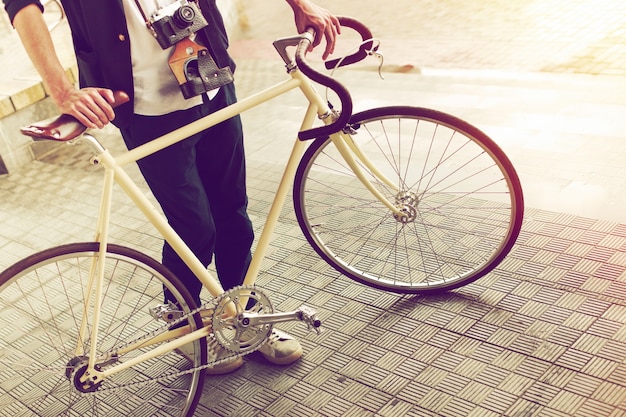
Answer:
(102, 48)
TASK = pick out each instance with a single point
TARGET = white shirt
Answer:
(156, 89)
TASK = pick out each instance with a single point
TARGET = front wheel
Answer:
(459, 193)
(42, 305)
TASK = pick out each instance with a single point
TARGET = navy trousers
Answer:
(200, 184)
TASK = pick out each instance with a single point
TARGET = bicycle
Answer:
(403, 199)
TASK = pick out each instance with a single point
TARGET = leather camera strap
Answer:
(143, 14)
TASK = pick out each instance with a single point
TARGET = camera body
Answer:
(176, 21)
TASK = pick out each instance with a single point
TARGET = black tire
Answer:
(461, 192)
(41, 306)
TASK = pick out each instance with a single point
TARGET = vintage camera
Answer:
(176, 21)
(192, 64)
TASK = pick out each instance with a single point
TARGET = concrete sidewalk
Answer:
(565, 134)
(547, 84)
(577, 36)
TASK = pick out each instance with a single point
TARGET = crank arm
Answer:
(304, 313)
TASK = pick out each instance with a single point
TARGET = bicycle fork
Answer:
(355, 157)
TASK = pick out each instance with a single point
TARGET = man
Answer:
(199, 182)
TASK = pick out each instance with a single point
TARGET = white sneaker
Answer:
(281, 348)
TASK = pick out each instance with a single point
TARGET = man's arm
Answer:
(308, 14)
(89, 105)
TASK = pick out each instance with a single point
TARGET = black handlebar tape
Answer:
(338, 88)
(364, 49)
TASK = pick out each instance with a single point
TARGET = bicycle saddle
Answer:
(64, 127)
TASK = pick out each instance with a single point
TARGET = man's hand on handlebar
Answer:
(91, 106)
(326, 25)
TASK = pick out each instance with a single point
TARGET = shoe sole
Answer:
(225, 368)
(287, 360)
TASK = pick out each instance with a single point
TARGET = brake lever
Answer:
(333, 64)
(381, 58)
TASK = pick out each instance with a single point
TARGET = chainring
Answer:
(235, 333)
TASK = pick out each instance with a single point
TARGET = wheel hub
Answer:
(406, 203)
(75, 370)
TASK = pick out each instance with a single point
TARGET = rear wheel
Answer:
(460, 193)
(41, 309)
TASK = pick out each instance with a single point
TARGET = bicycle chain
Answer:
(208, 306)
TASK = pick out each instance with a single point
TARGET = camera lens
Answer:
(184, 16)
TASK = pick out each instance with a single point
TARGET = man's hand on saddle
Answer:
(326, 25)
(91, 106)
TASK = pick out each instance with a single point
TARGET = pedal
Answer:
(309, 316)
(167, 312)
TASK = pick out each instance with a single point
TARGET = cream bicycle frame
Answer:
(114, 173)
